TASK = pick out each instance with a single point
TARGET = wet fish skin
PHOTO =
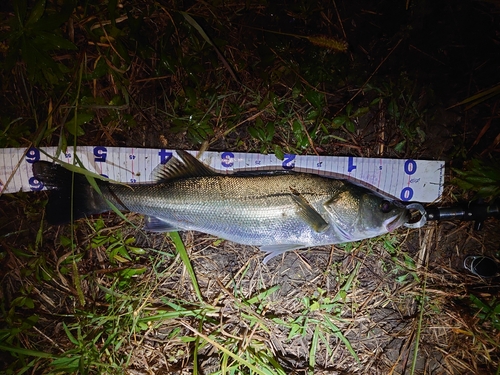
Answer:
(276, 211)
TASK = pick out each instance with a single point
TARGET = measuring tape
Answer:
(403, 179)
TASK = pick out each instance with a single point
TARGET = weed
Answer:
(33, 35)
(349, 119)
(407, 266)
(12, 131)
(118, 248)
(274, 77)
(488, 311)
(480, 97)
(404, 111)
(319, 316)
(482, 177)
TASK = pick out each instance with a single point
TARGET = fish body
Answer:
(277, 211)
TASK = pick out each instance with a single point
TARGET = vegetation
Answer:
(348, 78)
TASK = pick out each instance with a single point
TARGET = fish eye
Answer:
(385, 206)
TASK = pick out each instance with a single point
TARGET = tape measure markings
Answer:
(406, 179)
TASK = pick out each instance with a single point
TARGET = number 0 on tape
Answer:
(404, 179)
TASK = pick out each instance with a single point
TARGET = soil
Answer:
(434, 55)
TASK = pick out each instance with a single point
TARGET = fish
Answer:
(277, 211)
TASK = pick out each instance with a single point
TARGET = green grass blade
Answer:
(181, 249)
(336, 331)
(204, 35)
(197, 26)
(263, 295)
(313, 349)
(480, 97)
(419, 326)
(28, 352)
(236, 357)
(347, 285)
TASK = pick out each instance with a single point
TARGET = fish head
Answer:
(380, 215)
(359, 213)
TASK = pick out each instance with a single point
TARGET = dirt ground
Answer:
(402, 302)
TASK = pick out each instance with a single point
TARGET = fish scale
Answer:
(277, 211)
(226, 201)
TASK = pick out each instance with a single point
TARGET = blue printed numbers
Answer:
(165, 156)
(33, 155)
(407, 194)
(410, 168)
(350, 164)
(100, 154)
(35, 184)
(289, 162)
(227, 159)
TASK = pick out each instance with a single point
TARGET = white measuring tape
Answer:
(404, 179)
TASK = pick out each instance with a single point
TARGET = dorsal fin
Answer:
(186, 166)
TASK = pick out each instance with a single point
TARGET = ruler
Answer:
(403, 179)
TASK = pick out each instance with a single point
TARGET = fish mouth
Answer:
(398, 220)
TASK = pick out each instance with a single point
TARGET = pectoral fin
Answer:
(154, 224)
(309, 214)
(275, 250)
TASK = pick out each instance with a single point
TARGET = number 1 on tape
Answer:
(407, 179)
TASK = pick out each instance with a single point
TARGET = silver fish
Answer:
(277, 211)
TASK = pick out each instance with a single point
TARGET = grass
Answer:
(102, 296)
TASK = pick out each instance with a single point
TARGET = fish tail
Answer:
(71, 196)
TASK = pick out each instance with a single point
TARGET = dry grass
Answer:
(385, 296)
(399, 304)
(380, 316)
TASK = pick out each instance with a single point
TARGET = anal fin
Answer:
(154, 224)
(275, 250)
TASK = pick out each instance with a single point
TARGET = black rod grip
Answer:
(478, 212)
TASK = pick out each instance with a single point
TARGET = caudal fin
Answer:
(71, 195)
